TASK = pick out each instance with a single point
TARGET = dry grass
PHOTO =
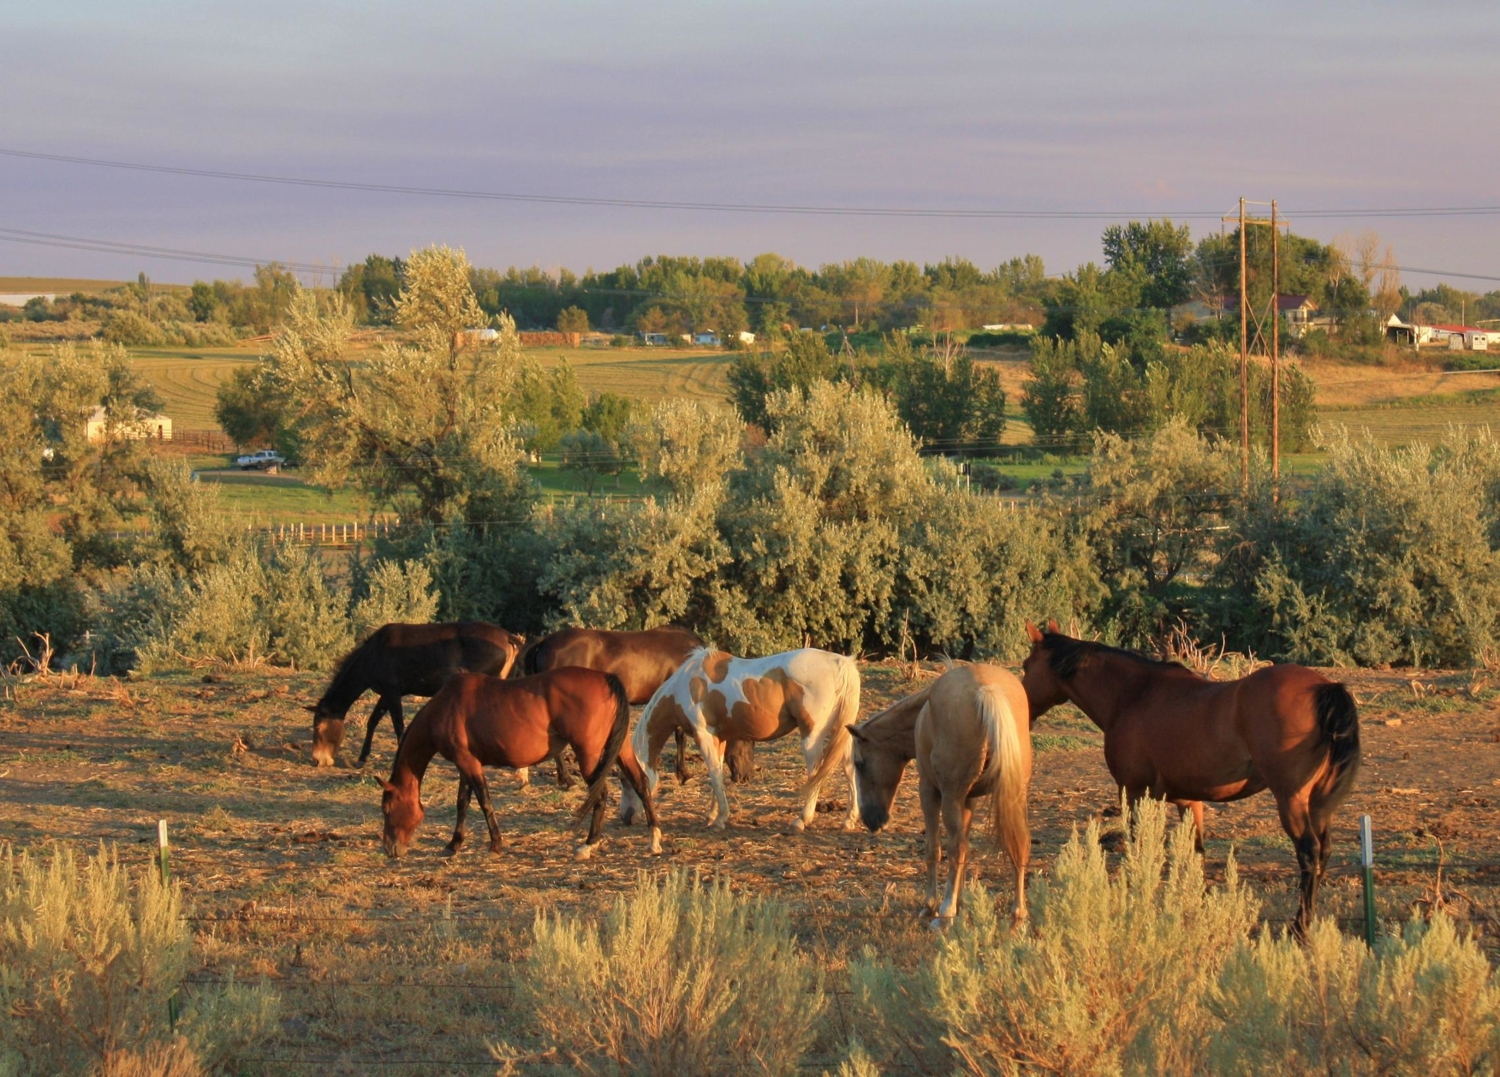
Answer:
(383, 962)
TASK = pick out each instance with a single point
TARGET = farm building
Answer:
(1469, 338)
(156, 427)
(1297, 310)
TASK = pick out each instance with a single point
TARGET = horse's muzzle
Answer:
(874, 820)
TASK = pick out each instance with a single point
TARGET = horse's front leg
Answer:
(465, 790)
(932, 800)
(472, 771)
(1196, 807)
(381, 706)
(398, 716)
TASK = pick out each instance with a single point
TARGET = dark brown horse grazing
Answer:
(405, 660)
(1171, 733)
(642, 661)
(476, 721)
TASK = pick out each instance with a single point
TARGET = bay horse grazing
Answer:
(1169, 732)
(969, 732)
(717, 697)
(476, 721)
(642, 661)
(405, 660)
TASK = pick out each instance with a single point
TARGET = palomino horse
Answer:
(405, 660)
(1171, 733)
(476, 721)
(969, 733)
(642, 661)
(717, 697)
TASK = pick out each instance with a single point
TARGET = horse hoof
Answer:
(940, 923)
(799, 825)
(583, 852)
(656, 841)
(495, 848)
(449, 851)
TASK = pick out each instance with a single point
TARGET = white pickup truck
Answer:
(264, 460)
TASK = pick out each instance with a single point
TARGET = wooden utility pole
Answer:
(1275, 357)
(1244, 362)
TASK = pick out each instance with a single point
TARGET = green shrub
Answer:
(1424, 1001)
(681, 977)
(89, 957)
(394, 591)
(1112, 975)
(129, 328)
(1391, 556)
(306, 616)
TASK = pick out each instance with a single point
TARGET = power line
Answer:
(722, 207)
(49, 239)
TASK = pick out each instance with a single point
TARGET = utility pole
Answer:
(1275, 357)
(1244, 363)
(1271, 347)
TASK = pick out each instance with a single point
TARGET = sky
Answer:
(1129, 110)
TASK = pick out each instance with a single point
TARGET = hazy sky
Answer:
(1137, 109)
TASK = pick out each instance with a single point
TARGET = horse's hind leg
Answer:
(381, 706)
(398, 717)
(956, 817)
(465, 790)
(682, 768)
(565, 779)
(932, 799)
(1196, 807)
(1297, 821)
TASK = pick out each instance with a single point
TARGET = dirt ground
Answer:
(285, 878)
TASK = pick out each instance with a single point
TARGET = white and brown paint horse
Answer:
(969, 732)
(716, 697)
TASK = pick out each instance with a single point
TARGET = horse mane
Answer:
(345, 666)
(1065, 654)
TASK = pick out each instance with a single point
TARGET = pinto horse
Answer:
(717, 697)
(405, 660)
(476, 721)
(642, 661)
(1171, 733)
(969, 733)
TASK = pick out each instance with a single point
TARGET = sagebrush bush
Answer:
(1391, 556)
(393, 591)
(1111, 976)
(1424, 1001)
(682, 977)
(90, 954)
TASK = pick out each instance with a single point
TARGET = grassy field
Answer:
(188, 380)
(60, 285)
(405, 967)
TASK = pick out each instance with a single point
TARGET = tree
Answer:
(752, 378)
(590, 456)
(608, 415)
(426, 428)
(573, 320)
(252, 408)
(1156, 256)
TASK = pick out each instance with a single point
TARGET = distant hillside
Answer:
(67, 285)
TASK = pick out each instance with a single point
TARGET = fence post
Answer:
(166, 879)
(1367, 861)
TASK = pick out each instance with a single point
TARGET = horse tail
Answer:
(1005, 770)
(845, 714)
(525, 663)
(1338, 722)
(612, 745)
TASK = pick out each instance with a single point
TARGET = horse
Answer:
(401, 660)
(718, 697)
(642, 661)
(1171, 733)
(476, 721)
(969, 732)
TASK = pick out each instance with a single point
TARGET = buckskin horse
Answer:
(717, 697)
(475, 721)
(642, 661)
(405, 660)
(1169, 732)
(969, 733)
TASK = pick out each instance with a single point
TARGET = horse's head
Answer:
(877, 773)
(403, 812)
(1044, 690)
(328, 734)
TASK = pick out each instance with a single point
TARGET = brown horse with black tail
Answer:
(642, 661)
(405, 660)
(476, 721)
(1171, 733)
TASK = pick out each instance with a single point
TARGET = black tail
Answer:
(525, 664)
(612, 746)
(1338, 721)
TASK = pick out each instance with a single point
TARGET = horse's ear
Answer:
(1052, 625)
(856, 732)
(1033, 632)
